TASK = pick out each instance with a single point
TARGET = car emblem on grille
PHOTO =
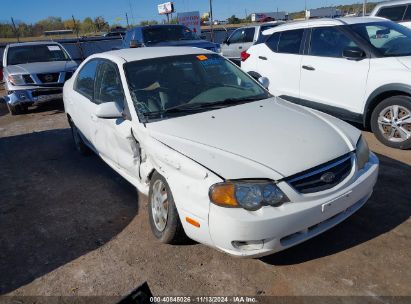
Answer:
(328, 177)
(48, 78)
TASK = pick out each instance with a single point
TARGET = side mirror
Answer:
(353, 54)
(109, 110)
(135, 44)
(226, 41)
(264, 81)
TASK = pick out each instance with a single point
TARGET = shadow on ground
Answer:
(389, 207)
(55, 106)
(55, 205)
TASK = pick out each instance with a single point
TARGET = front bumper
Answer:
(269, 230)
(33, 96)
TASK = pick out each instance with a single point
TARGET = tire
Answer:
(81, 147)
(168, 228)
(391, 122)
(14, 110)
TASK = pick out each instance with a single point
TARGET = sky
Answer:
(114, 11)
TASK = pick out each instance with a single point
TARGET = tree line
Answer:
(89, 25)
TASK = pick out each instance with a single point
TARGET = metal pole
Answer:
(128, 25)
(364, 8)
(211, 21)
(16, 32)
(305, 9)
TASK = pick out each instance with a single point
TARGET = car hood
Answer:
(271, 138)
(195, 43)
(41, 67)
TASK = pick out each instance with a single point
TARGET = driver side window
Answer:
(236, 37)
(108, 86)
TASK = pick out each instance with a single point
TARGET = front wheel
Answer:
(391, 122)
(163, 216)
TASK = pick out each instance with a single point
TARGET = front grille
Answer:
(49, 77)
(27, 79)
(46, 92)
(322, 177)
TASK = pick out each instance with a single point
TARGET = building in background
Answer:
(324, 12)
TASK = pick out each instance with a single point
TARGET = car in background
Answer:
(166, 35)
(243, 38)
(357, 69)
(397, 11)
(35, 72)
(120, 34)
(221, 160)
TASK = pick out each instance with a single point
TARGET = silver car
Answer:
(35, 72)
(243, 38)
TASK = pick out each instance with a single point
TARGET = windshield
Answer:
(388, 38)
(35, 53)
(181, 85)
(167, 33)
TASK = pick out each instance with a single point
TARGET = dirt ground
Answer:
(70, 225)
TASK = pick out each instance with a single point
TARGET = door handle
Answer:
(308, 68)
(262, 57)
(240, 47)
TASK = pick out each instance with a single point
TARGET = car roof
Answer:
(32, 43)
(389, 3)
(135, 54)
(322, 22)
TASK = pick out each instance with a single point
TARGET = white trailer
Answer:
(324, 12)
(258, 17)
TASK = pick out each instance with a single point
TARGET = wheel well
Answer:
(69, 119)
(376, 100)
(150, 175)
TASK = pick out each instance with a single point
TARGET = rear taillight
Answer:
(244, 56)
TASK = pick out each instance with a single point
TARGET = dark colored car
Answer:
(166, 35)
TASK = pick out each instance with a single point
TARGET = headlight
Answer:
(16, 80)
(250, 195)
(362, 153)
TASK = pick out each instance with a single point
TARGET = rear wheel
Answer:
(163, 216)
(81, 147)
(391, 122)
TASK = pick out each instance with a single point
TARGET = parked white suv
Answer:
(398, 11)
(357, 69)
(219, 157)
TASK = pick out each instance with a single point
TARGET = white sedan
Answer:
(221, 160)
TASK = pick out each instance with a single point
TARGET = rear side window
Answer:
(272, 42)
(394, 13)
(85, 79)
(290, 41)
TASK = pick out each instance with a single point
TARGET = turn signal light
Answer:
(223, 195)
(244, 56)
(192, 222)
